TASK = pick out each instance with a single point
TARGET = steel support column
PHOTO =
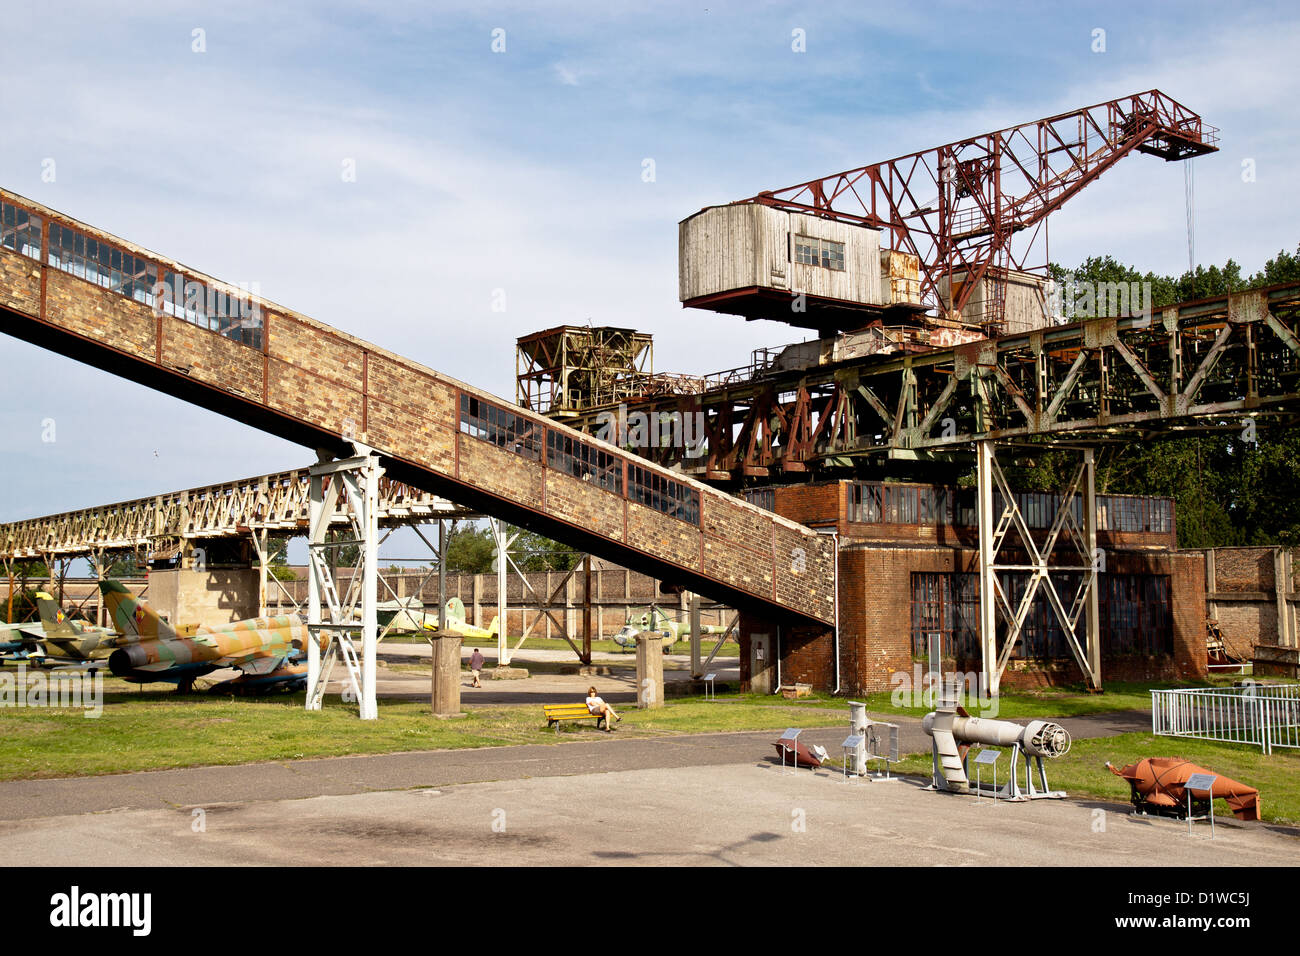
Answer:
(503, 540)
(988, 575)
(346, 490)
(697, 670)
(1039, 564)
(1092, 597)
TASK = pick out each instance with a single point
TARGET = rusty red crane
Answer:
(977, 208)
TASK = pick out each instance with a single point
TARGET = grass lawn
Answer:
(153, 729)
(1082, 771)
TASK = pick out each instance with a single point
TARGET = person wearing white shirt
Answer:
(598, 707)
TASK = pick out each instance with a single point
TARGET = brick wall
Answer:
(820, 504)
(1243, 569)
(203, 356)
(20, 282)
(827, 505)
(1242, 597)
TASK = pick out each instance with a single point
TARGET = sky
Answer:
(382, 168)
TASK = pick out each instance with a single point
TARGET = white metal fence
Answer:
(1264, 715)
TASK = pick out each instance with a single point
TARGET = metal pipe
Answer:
(836, 536)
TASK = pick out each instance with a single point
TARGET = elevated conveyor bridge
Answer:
(94, 297)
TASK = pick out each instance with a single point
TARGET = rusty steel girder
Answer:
(960, 207)
(1208, 364)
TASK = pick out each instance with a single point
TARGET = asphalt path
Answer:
(299, 779)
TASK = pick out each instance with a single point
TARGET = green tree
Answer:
(470, 549)
(279, 563)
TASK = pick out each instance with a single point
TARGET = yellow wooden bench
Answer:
(557, 713)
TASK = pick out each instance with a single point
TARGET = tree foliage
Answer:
(472, 550)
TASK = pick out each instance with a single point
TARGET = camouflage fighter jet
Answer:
(58, 639)
(267, 651)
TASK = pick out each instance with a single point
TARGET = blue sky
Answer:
(521, 170)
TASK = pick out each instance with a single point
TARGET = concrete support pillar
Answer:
(1211, 586)
(98, 564)
(761, 666)
(503, 542)
(586, 613)
(476, 596)
(649, 671)
(9, 603)
(445, 694)
(1286, 634)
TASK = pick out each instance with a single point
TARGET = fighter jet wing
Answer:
(64, 640)
(30, 631)
(155, 667)
(257, 665)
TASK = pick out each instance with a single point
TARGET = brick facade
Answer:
(876, 567)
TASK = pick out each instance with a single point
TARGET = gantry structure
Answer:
(976, 209)
(1206, 364)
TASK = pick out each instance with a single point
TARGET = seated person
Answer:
(599, 708)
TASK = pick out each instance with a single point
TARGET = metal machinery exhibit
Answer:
(952, 732)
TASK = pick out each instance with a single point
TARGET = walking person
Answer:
(475, 666)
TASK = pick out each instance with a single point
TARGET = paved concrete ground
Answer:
(703, 799)
(749, 813)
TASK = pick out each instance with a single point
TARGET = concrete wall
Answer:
(1244, 596)
(185, 596)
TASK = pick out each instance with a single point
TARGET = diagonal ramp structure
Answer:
(92, 296)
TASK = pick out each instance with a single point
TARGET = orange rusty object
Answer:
(1159, 782)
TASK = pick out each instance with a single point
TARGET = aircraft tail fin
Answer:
(455, 610)
(53, 620)
(131, 616)
(493, 628)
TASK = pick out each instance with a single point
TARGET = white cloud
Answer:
(567, 75)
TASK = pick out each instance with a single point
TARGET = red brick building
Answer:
(908, 568)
